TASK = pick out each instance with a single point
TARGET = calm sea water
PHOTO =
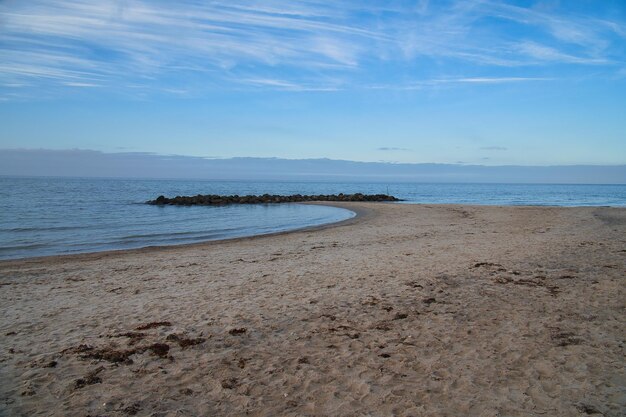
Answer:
(49, 216)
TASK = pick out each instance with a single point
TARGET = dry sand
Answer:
(408, 310)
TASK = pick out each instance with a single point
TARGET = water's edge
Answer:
(357, 214)
(54, 216)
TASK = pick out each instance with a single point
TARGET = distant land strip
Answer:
(220, 200)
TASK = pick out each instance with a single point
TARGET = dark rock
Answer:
(220, 200)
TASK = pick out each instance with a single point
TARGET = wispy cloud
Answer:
(82, 85)
(285, 85)
(547, 53)
(489, 80)
(418, 85)
(304, 45)
(386, 148)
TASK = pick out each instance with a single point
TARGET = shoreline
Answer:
(402, 310)
(358, 211)
(112, 252)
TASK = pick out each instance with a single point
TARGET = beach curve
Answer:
(403, 310)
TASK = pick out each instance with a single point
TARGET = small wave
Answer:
(173, 235)
(43, 229)
(169, 240)
(23, 247)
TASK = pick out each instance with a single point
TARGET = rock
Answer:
(221, 200)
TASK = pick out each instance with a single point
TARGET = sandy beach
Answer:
(406, 310)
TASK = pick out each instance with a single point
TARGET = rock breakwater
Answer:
(220, 200)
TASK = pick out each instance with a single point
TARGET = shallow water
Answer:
(48, 216)
(61, 216)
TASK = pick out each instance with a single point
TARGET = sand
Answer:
(407, 310)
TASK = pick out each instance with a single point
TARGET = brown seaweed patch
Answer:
(565, 338)
(90, 379)
(111, 354)
(587, 409)
(51, 364)
(133, 336)
(132, 409)
(159, 349)
(370, 301)
(153, 325)
(532, 283)
(183, 341)
(82, 348)
(230, 383)
(487, 265)
(383, 326)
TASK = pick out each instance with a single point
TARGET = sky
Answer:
(452, 82)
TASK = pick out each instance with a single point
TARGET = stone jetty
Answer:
(221, 200)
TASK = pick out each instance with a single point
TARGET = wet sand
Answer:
(407, 310)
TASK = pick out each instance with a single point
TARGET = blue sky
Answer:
(474, 82)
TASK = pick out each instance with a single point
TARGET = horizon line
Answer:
(323, 158)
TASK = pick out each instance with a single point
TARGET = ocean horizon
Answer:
(60, 215)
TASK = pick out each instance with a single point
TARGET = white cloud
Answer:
(492, 80)
(546, 53)
(82, 85)
(417, 85)
(306, 43)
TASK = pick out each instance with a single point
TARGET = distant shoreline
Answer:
(307, 181)
(80, 163)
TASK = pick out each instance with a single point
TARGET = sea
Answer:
(56, 216)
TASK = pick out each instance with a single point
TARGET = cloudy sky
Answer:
(469, 81)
